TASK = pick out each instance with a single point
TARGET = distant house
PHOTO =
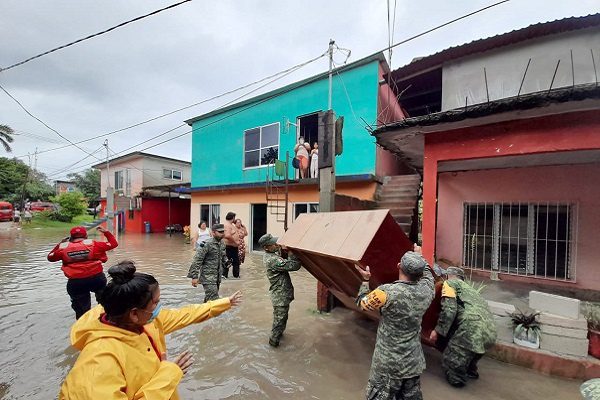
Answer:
(506, 132)
(232, 147)
(64, 187)
(148, 188)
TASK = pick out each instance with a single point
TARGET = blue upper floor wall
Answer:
(219, 147)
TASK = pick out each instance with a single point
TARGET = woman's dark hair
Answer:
(127, 289)
(201, 222)
(230, 216)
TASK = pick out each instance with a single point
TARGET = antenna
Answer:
(286, 125)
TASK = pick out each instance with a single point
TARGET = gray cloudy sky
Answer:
(198, 50)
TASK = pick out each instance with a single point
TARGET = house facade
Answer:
(148, 188)
(231, 147)
(506, 132)
(61, 187)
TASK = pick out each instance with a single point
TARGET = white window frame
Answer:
(120, 180)
(532, 219)
(171, 171)
(260, 147)
(307, 204)
(211, 209)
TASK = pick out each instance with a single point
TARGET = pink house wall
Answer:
(388, 110)
(576, 184)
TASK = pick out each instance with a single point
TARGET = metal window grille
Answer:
(528, 239)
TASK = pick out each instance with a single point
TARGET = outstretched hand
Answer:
(235, 299)
(184, 361)
(364, 273)
(101, 229)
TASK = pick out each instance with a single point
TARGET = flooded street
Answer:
(322, 356)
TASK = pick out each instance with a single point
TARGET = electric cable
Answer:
(291, 69)
(93, 35)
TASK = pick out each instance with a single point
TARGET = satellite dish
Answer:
(286, 123)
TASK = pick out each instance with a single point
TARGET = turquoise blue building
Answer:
(231, 146)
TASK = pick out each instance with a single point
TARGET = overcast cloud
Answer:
(198, 50)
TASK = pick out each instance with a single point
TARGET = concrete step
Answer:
(403, 178)
(398, 210)
(403, 219)
(408, 202)
(400, 188)
(396, 198)
(405, 227)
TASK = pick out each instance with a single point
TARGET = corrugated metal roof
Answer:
(505, 39)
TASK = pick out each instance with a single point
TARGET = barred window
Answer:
(529, 239)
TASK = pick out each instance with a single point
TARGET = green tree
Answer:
(87, 182)
(71, 204)
(6, 137)
(14, 174)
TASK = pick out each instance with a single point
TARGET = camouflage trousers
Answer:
(280, 317)
(459, 364)
(407, 389)
(211, 292)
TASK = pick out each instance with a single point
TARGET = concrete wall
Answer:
(505, 67)
(153, 174)
(566, 183)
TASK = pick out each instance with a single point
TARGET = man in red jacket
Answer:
(82, 260)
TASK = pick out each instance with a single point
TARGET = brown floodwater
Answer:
(322, 356)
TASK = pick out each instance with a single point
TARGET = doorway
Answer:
(259, 224)
(308, 128)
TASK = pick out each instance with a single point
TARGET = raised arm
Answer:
(281, 264)
(366, 299)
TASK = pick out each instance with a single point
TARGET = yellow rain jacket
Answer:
(119, 364)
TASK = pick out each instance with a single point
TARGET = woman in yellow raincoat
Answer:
(122, 341)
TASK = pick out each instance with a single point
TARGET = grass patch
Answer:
(46, 223)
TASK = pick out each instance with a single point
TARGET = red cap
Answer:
(78, 232)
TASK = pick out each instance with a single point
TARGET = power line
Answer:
(441, 26)
(93, 35)
(319, 77)
(291, 69)
(288, 72)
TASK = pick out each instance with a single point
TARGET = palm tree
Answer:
(6, 133)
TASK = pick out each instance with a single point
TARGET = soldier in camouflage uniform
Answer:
(398, 359)
(208, 264)
(590, 390)
(281, 289)
(468, 326)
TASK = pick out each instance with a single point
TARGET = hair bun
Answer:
(123, 272)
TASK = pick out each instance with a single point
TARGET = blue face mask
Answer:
(155, 313)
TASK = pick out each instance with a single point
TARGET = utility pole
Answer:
(110, 195)
(22, 205)
(327, 147)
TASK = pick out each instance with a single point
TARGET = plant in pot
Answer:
(592, 315)
(526, 329)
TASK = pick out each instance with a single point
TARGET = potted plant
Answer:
(592, 315)
(527, 329)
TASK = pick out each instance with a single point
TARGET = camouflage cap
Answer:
(590, 390)
(218, 227)
(413, 263)
(455, 271)
(267, 239)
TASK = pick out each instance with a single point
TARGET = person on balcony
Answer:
(301, 149)
(466, 324)
(398, 359)
(314, 161)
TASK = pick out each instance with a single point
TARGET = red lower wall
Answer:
(156, 211)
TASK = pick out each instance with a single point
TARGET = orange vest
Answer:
(78, 259)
